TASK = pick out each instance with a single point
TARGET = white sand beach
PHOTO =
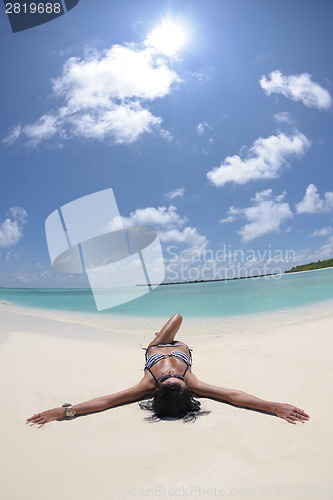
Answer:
(229, 453)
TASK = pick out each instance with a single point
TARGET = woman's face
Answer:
(174, 380)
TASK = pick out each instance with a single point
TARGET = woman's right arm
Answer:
(102, 403)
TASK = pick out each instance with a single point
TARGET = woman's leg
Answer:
(168, 332)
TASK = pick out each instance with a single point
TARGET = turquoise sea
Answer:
(210, 299)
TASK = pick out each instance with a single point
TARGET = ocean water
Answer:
(197, 300)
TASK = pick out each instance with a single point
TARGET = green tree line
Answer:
(311, 266)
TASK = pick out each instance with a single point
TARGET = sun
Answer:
(168, 38)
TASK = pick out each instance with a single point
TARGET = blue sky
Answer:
(221, 142)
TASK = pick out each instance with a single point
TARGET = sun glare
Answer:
(168, 38)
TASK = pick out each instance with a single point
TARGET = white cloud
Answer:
(166, 217)
(11, 229)
(167, 222)
(181, 245)
(124, 123)
(176, 193)
(44, 276)
(325, 251)
(321, 253)
(10, 233)
(324, 231)
(105, 96)
(313, 204)
(230, 218)
(283, 117)
(18, 213)
(44, 128)
(12, 255)
(203, 76)
(265, 215)
(202, 127)
(265, 160)
(94, 80)
(189, 236)
(298, 88)
(13, 135)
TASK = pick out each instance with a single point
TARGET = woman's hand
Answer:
(291, 413)
(46, 416)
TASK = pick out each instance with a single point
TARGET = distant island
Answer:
(217, 279)
(321, 264)
(208, 281)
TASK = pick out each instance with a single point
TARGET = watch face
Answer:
(69, 412)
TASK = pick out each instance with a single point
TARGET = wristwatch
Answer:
(69, 410)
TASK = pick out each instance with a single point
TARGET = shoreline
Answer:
(256, 322)
(241, 305)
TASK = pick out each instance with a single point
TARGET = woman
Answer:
(169, 380)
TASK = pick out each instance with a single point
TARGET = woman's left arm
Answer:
(290, 413)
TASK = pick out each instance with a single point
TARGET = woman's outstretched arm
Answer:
(288, 412)
(131, 395)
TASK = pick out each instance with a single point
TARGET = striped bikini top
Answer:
(155, 358)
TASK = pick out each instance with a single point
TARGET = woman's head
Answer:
(172, 399)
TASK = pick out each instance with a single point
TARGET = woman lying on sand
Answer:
(169, 380)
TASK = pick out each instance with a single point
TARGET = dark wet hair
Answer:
(172, 401)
